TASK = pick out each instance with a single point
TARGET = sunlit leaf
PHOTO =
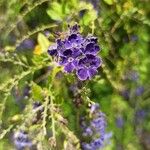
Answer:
(55, 11)
(36, 92)
(43, 42)
(89, 17)
(54, 15)
(109, 2)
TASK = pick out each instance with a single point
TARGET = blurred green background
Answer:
(122, 86)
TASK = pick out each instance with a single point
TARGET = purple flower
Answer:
(98, 122)
(140, 114)
(21, 140)
(87, 66)
(107, 137)
(91, 48)
(52, 50)
(94, 107)
(77, 53)
(88, 132)
(86, 146)
(26, 44)
(95, 129)
(97, 143)
(139, 90)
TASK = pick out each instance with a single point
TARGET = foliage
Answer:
(41, 106)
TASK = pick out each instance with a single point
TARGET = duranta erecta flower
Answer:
(77, 53)
(21, 140)
(93, 131)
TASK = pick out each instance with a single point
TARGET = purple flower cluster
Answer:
(139, 91)
(22, 141)
(77, 53)
(140, 115)
(95, 130)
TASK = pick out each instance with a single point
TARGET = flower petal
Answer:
(72, 38)
(82, 62)
(62, 60)
(92, 38)
(67, 53)
(69, 67)
(93, 60)
(92, 48)
(91, 72)
(59, 43)
(82, 74)
(67, 44)
(76, 52)
(97, 62)
(52, 50)
(75, 63)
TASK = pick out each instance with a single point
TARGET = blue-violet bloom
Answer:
(77, 53)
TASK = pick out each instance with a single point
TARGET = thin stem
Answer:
(21, 17)
(53, 120)
(3, 108)
(30, 33)
(45, 114)
(6, 131)
(93, 27)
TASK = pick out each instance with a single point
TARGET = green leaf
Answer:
(43, 42)
(109, 2)
(36, 92)
(54, 15)
(55, 12)
(90, 16)
(57, 7)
